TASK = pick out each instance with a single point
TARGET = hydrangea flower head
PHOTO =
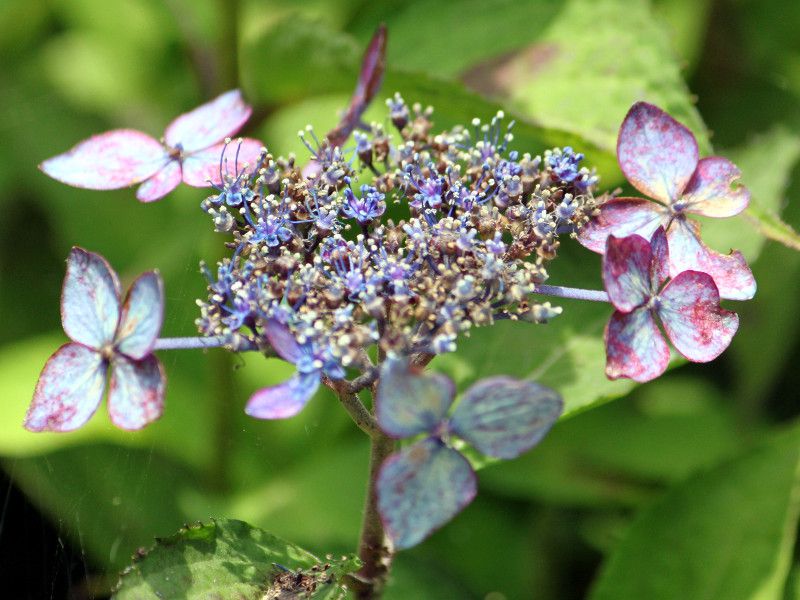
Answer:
(190, 152)
(106, 333)
(660, 158)
(688, 307)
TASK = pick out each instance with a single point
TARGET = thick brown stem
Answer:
(375, 549)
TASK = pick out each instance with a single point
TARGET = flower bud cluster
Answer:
(404, 241)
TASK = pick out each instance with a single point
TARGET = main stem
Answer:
(375, 548)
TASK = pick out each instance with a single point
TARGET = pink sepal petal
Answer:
(162, 183)
(687, 252)
(635, 347)
(656, 153)
(90, 299)
(622, 217)
(711, 191)
(283, 341)
(202, 168)
(626, 271)
(108, 161)
(693, 319)
(142, 316)
(659, 265)
(209, 123)
(284, 400)
(136, 393)
(69, 390)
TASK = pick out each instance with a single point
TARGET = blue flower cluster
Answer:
(405, 241)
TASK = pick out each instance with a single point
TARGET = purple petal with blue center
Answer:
(420, 489)
(635, 347)
(283, 341)
(657, 154)
(626, 271)
(108, 161)
(409, 402)
(162, 183)
(713, 189)
(687, 252)
(142, 316)
(284, 400)
(693, 319)
(90, 299)
(202, 168)
(622, 217)
(136, 393)
(504, 417)
(209, 123)
(69, 390)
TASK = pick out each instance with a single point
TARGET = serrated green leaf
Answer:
(585, 83)
(228, 559)
(727, 533)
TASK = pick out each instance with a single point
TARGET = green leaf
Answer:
(229, 559)
(592, 63)
(726, 533)
(623, 452)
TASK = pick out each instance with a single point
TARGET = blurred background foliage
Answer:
(683, 488)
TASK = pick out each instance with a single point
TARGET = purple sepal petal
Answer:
(202, 168)
(283, 341)
(635, 347)
(108, 161)
(136, 393)
(504, 417)
(657, 154)
(622, 217)
(710, 191)
(420, 489)
(659, 263)
(284, 400)
(69, 390)
(162, 183)
(90, 299)
(142, 316)
(209, 123)
(626, 271)
(693, 319)
(370, 79)
(687, 252)
(409, 402)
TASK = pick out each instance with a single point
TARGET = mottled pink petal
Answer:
(409, 402)
(635, 347)
(656, 153)
(687, 252)
(693, 319)
(284, 400)
(504, 417)
(202, 168)
(142, 316)
(622, 217)
(713, 190)
(369, 82)
(626, 271)
(210, 123)
(108, 161)
(162, 183)
(659, 265)
(420, 489)
(136, 393)
(69, 390)
(90, 299)
(283, 341)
